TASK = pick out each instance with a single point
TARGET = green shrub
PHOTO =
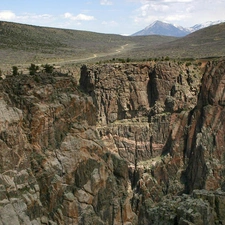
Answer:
(37, 79)
(121, 60)
(167, 58)
(33, 69)
(15, 70)
(48, 68)
(188, 64)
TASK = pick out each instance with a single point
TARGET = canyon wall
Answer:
(54, 167)
(166, 120)
(135, 143)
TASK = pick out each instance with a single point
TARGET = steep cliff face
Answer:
(206, 140)
(169, 129)
(54, 167)
(140, 102)
(121, 148)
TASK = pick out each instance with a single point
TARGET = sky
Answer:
(123, 17)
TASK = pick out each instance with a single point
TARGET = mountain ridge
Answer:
(167, 29)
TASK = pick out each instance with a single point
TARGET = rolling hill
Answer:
(25, 44)
(207, 42)
(204, 43)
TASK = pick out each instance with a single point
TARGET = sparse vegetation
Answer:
(167, 58)
(15, 70)
(22, 44)
(37, 79)
(33, 69)
(188, 64)
(48, 68)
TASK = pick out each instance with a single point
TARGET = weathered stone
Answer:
(120, 153)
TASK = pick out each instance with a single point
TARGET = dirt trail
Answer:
(23, 67)
(100, 55)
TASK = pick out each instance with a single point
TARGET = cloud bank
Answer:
(7, 15)
(79, 17)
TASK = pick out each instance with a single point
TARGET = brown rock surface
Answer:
(120, 149)
(206, 139)
(163, 151)
(54, 168)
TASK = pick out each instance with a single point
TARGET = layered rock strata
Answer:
(54, 167)
(137, 143)
(166, 122)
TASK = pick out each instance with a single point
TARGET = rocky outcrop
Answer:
(54, 167)
(206, 143)
(129, 145)
(150, 105)
(201, 207)
(167, 140)
(136, 102)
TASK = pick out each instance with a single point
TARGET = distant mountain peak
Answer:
(156, 23)
(166, 29)
(162, 28)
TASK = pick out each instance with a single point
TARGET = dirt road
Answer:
(95, 56)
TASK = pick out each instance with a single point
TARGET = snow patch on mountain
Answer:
(167, 29)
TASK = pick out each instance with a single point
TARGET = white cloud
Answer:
(177, 1)
(161, 1)
(149, 12)
(172, 11)
(184, 13)
(178, 17)
(105, 2)
(7, 15)
(79, 17)
(65, 20)
(28, 18)
(159, 7)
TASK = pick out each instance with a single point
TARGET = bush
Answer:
(15, 70)
(167, 58)
(33, 69)
(48, 68)
(188, 64)
(37, 79)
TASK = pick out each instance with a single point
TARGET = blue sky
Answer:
(111, 16)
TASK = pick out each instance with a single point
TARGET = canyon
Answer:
(126, 143)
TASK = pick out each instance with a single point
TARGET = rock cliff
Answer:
(137, 143)
(54, 167)
(166, 120)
